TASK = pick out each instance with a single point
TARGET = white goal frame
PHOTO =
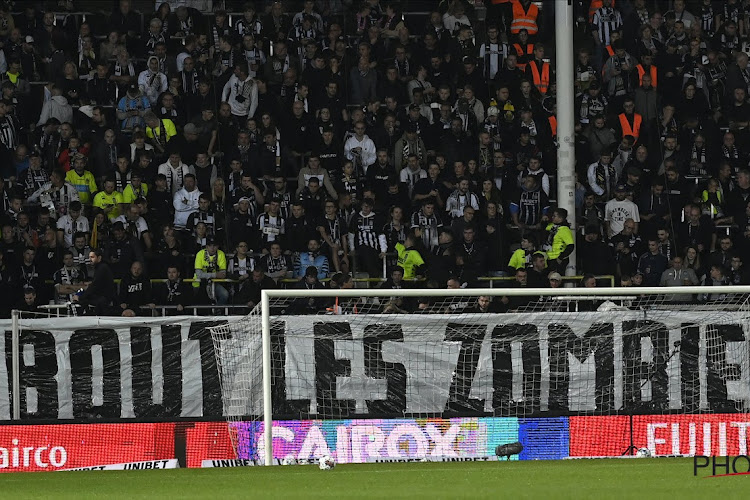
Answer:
(571, 293)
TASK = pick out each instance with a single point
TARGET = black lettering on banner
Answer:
(718, 370)
(471, 337)
(212, 402)
(639, 371)
(502, 369)
(140, 349)
(690, 383)
(393, 373)
(40, 375)
(81, 371)
(327, 368)
(598, 339)
(171, 367)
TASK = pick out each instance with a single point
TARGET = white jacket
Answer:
(367, 156)
(247, 89)
(185, 203)
(56, 107)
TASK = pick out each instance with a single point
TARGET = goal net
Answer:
(451, 374)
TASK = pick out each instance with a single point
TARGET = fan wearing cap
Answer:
(594, 255)
(131, 108)
(210, 264)
(591, 103)
(618, 210)
(82, 179)
(560, 243)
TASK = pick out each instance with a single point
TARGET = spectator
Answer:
(594, 256)
(618, 210)
(135, 292)
(57, 107)
(186, 202)
(652, 264)
(311, 259)
(678, 276)
(560, 242)
(716, 277)
(366, 241)
(210, 264)
(100, 293)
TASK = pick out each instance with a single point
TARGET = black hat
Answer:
(34, 153)
(210, 240)
(118, 226)
(595, 85)
(411, 127)
(311, 271)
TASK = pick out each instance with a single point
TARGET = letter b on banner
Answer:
(38, 367)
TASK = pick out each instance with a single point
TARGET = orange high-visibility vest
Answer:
(524, 19)
(541, 82)
(642, 71)
(627, 129)
(553, 125)
(596, 5)
(521, 53)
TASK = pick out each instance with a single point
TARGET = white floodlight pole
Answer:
(565, 124)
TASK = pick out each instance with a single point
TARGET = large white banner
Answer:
(385, 365)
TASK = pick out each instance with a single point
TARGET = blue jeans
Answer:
(220, 294)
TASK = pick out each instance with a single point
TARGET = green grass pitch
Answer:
(670, 478)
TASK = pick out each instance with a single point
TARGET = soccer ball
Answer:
(643, 453)
(326, 463)
(289, 461)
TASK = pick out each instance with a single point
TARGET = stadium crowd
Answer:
(285, 143)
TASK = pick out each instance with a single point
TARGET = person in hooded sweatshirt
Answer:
(56, 107)
(135, 292)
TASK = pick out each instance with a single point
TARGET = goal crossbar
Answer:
(267, 295)
(499, 292)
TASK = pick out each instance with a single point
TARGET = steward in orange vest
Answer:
(524, 17)
(642, 68)
(540, 79)
(629, 128)
(538, 71)
(525, 53)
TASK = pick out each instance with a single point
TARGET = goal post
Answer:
(476, 357)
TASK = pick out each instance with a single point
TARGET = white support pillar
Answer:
(564, 29)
